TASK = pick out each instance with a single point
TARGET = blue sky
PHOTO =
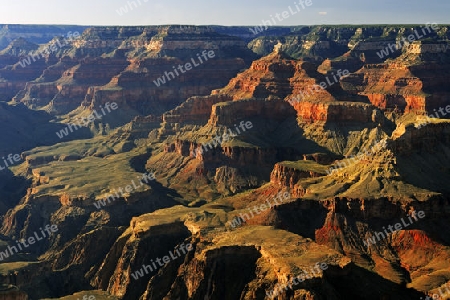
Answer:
(224, 12)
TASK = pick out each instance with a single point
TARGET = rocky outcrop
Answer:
(69, 91)
(230, 180)
(194, 274)
(229, 112)
(337, 112)
(137, 84)
(404, 84)
(245, 245)
(11, 292)
(305, 84)
(140, 127)
(80, 75)
(16, 77)
(156, 78)
(115, 272)
(266, 77)
(195, 109)
(409, 138)
(288, 176)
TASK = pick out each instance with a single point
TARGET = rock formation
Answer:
(318, 115)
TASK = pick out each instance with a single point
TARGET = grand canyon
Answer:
(225, 162)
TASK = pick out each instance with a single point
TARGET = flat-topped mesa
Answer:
(183, 38)
(372, 52)
(228, 113)
(185, 42)
(269, 77)
(337, 111)
(342, 63)
(428, 47)
(102, 39)
(189, 29)
(313, 100)
(195, 110)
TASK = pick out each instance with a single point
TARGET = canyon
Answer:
(299, 130)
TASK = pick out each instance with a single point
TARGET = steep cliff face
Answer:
(227, 113)
(155, 78)
(115, 273)
(287, 80)
(348, 223)
(305, 85)
(245, 258)
(266, 77)
(245, 244)
(184, 42)
(12, 293)
(195, 109)
(231, 168)
(137, 84)
(408, 138)
(17, 48)
(405, 83)
(16, 77)
(92, 69)
(333, 112)
(357, 228)
(287, 175)
(68, 92)
(250, 259)
(321, 42)
(30, 61)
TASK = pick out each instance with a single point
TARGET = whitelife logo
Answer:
(166, 259)
(258, 209)
(315, 88)
(31, 240)
(50, 49)
(10, 158)
(281, 17)
(411, 38)
(124, 9)
(430, 117)
(187, 67)
(128, 189)
(397, 226)
(315, 270)
(91, 118)
(85, 297)
(218, 140)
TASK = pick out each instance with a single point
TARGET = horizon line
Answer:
(218, 25)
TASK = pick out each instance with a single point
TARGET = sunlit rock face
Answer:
(316, 116)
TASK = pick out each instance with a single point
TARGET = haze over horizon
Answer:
(233, 12)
